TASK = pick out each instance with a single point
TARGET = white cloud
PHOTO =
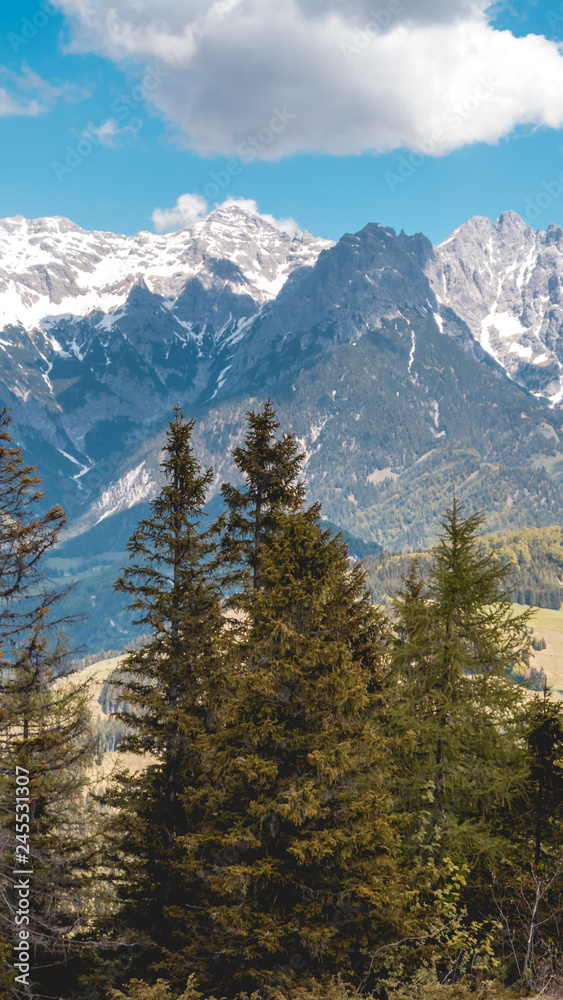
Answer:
(188, 209)
(110, 134)
(26, 93)
(10, 105)
(49, 92)
(348, 75)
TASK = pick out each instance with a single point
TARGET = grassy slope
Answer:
(548, 624)
(97, 674)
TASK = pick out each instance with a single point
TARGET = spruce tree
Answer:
(544, 744)
(528, 885)
(458, 641)
(45, 731)
(164, 686)
(292, 866)
(270, 467)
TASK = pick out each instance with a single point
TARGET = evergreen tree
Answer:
(270, 467)
(458, 647)
(164, 685)
(458, 643)
(528, 886)
(292, 866)
(45, 730)
(544, 742)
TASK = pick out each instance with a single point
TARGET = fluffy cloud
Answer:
(188, 209)
(191, 207)
(346, 76)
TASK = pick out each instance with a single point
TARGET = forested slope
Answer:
(535, 553)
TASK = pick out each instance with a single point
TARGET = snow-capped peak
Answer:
(504, 279)
(50, 268)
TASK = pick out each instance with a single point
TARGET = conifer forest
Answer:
(314, 794)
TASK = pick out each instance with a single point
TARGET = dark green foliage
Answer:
(44, 729)
(293, 863)
(164, 684)
(544, 739)
(321, 792)
(262, 835)
(270, 468)
(425, 985)
(139, 990)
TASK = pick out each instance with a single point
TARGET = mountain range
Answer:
(404, 369)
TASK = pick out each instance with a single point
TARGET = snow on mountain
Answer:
(52, 269)
(65, 292)
(503, 279)
(102, 334)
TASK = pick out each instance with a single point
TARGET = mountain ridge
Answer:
(372, 350)
(208, 324)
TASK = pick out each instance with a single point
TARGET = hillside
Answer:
(536, 554)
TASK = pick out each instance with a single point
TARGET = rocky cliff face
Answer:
(503, 279)
(385, 388)
(404, 370)
(354, 285)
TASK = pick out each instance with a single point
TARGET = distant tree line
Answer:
(534, 555)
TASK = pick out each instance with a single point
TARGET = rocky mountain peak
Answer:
(366, 277)
(510, 220)
(504, 279)
(101, 334)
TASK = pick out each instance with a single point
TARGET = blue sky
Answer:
(88, 135)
